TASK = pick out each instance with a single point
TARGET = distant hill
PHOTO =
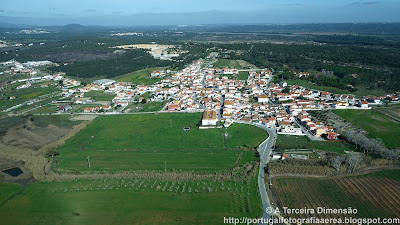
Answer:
(72, 27)
(11, 25)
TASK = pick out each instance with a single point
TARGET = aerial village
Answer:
(215, 92)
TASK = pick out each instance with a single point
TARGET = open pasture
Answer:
(118, 201)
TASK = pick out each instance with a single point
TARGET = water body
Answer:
(15, 172)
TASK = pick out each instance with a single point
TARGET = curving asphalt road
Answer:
(265, 150)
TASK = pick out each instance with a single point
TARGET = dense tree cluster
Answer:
(372, 68)
(132, 60)
(369, 145)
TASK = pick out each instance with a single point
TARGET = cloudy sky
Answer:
(172, 12)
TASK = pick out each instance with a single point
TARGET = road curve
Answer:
(265, 150)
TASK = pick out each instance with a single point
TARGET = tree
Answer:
(51, 151)
(143, 101)
(354, 160)
(337, 162)
(286, 90)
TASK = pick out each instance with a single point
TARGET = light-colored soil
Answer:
(84, 117)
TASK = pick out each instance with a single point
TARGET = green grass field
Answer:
(308, 84)
(148, 107)
(302, 142)
(376, 124)
(23, 95)
(243, 75)
(146, 141)
(49, 108)
(160, 132)
(360, 91)
(131, 202)
(139, 77)
(189, 160)
(100, 95)
(7, 190)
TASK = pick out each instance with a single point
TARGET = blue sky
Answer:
(169, 12)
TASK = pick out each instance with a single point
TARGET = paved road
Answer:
(265, 150)
(309, 135)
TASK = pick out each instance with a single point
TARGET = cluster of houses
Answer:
(221, 98)
(255, 100)
(27, 67)
(3, 44)
(103, 108)
(301, 74)
(159, 73)
(317, 128)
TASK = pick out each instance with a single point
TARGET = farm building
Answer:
(64, 108)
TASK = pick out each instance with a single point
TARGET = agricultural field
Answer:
(149, 140)
(147, 107)
(302, 142)
(360, 91)
(131, 201)
(25, 94)
(376, 124)
(308, 84)
(139, 77)
(229, 63)
(176, 160)
(392, 111)
(373, 195)
(36, 105)
(161, 132)
(100, 96)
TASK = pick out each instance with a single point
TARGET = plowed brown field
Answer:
(374, 195)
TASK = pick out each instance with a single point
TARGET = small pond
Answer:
(15, 172)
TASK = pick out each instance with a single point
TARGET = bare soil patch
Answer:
(84, 117)
(30, 136)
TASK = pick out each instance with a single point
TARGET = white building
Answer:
(209, 118)
(104, 82)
